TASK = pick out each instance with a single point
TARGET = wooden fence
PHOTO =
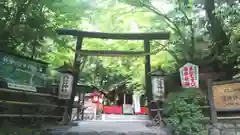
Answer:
(29, 108)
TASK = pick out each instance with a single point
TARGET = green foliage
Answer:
(182, 112)
(28, 27)
(229, 17)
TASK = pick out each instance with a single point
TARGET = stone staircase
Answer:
(111, 125)
(115, 117)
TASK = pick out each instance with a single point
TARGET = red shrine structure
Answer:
(117, 101)
(121, 101)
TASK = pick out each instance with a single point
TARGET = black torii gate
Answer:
(146, 37)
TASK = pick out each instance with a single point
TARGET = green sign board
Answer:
(22, 70)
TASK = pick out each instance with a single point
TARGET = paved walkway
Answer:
(109, 128)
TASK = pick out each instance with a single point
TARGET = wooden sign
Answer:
(19, 70)
(226, 96)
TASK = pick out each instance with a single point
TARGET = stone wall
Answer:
(224, 129)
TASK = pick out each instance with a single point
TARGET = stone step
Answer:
(115, 117)
(104, 133)
(107, 128)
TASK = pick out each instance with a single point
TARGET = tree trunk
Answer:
(219, 37)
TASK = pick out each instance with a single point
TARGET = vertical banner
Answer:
(136, 100)
(158, 87)
(127, 109)
(65, 88)
(189, 75)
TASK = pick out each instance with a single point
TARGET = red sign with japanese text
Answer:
(189, 74)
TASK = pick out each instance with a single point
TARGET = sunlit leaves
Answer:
(36, 31)
(229, 17)
(137, 3)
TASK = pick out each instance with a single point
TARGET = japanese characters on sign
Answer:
(30, 66)
(189, 76)
(20, 70)
(157, 87)
(226, 96)
(21, 87)
(65, 88)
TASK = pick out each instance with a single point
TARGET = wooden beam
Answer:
(112, 53)
(119, 36)
(29, 115)
(29, 103)
(28, 93)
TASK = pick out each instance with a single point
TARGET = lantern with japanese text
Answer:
(189, 74)
(158, 89)
(65, 88)
(96, 97)
(66, 82)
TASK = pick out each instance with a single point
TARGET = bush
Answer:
(182, 112)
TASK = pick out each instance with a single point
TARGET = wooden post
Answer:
(213, 113)
(78, 108)
(148, 70)
(147, 76)
(76, 66)
(83, 102)
(95, 111)
(66, 117)
(115, 97)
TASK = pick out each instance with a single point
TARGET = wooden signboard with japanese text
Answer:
(224, 100)
(19, 71)
(226, 96)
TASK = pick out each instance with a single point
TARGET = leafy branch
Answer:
(171, 52)
(170, 23)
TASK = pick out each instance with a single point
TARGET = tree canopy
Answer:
(201, 33)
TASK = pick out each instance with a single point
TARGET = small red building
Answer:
(120, 101)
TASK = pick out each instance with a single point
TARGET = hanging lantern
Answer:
(66, 82)
(96, 97)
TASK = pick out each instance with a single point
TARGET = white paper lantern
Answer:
(65, 87)
(158, 86)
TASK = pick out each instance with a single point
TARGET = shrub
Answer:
(182, 112)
